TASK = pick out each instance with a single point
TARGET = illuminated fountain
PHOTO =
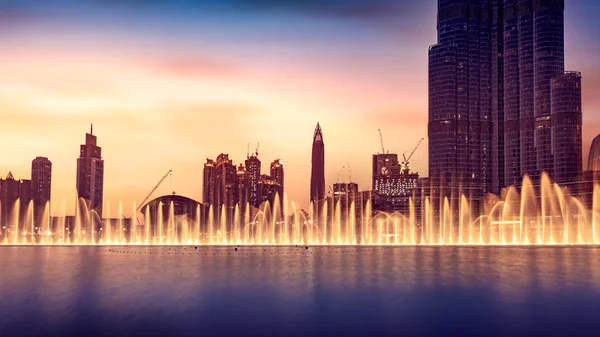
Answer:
(523, 217)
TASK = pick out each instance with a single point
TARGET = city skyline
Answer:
(126, 129)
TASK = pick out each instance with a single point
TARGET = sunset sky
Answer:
(169, 83)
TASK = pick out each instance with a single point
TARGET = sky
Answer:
(168, 84)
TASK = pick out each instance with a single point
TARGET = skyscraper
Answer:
(460, 123)
(566, 127)
(594, 155)
(317, 177)
(41, 184)
(253, 167)
(90, 173)
(242, 191)
(490, 86)
(549, 62)
(225, 182)
(277, 175)
(208, 182)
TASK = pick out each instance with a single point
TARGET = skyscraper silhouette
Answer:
(90, 173)
(253, 167)
(566, 127)
(317, 177)
(41, 185)
(277, 174)
(490, 87)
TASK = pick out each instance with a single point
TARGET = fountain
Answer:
(517, 217)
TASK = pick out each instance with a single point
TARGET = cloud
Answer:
(346, 9)
(194, 66)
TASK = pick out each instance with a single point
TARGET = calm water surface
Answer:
(159, 291)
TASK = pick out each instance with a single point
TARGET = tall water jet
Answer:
(160, 223)
(15, 221)
(107, 226)
(211, 221)
(223, 225)
(29, 223)
(595, 213)
(528, 211)
(197, 225)
(147, 224)
(171, 226)
(121, 227)
(236, 225)
(135, 237)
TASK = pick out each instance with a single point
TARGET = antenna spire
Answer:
(91, 129)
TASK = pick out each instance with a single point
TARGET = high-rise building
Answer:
(90, 173)
(25, 198)
(566, 127)
(345, 195)
(277, 175)
(549, 62)
(317, 177)
(41, 184)
(392, 187)
(9, 193)
(225, 183)
(594, 155)
(208, 182)
(253, 167)
(490, 86)
(242, 191)
(268, 189)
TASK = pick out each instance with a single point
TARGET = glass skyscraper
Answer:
(490, 88)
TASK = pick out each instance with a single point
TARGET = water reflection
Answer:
(267, 290)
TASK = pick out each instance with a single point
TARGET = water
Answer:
(360, 291)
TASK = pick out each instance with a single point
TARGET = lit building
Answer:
(208, 182)
(566, 127)
(490, 88)
(393, 188)
(242, 191)
(594, 155)
(253, 166)
(41, 184)
(11, 190)
(225, 186)
(317, 176)
(268, 188)
(277, 175)
(90, 173)
(185, 211)
(9, 193)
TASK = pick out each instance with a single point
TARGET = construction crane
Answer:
(340, 175)
(153, 190)
(381, 140)
(405, 168)
(347, 167)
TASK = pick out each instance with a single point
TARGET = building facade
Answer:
(278, 175)
(253, 166)
(90, 173)
(317, 176)
(41, 184)
(567, 145)
(594, 155)
(490, 89)
(208, 182)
